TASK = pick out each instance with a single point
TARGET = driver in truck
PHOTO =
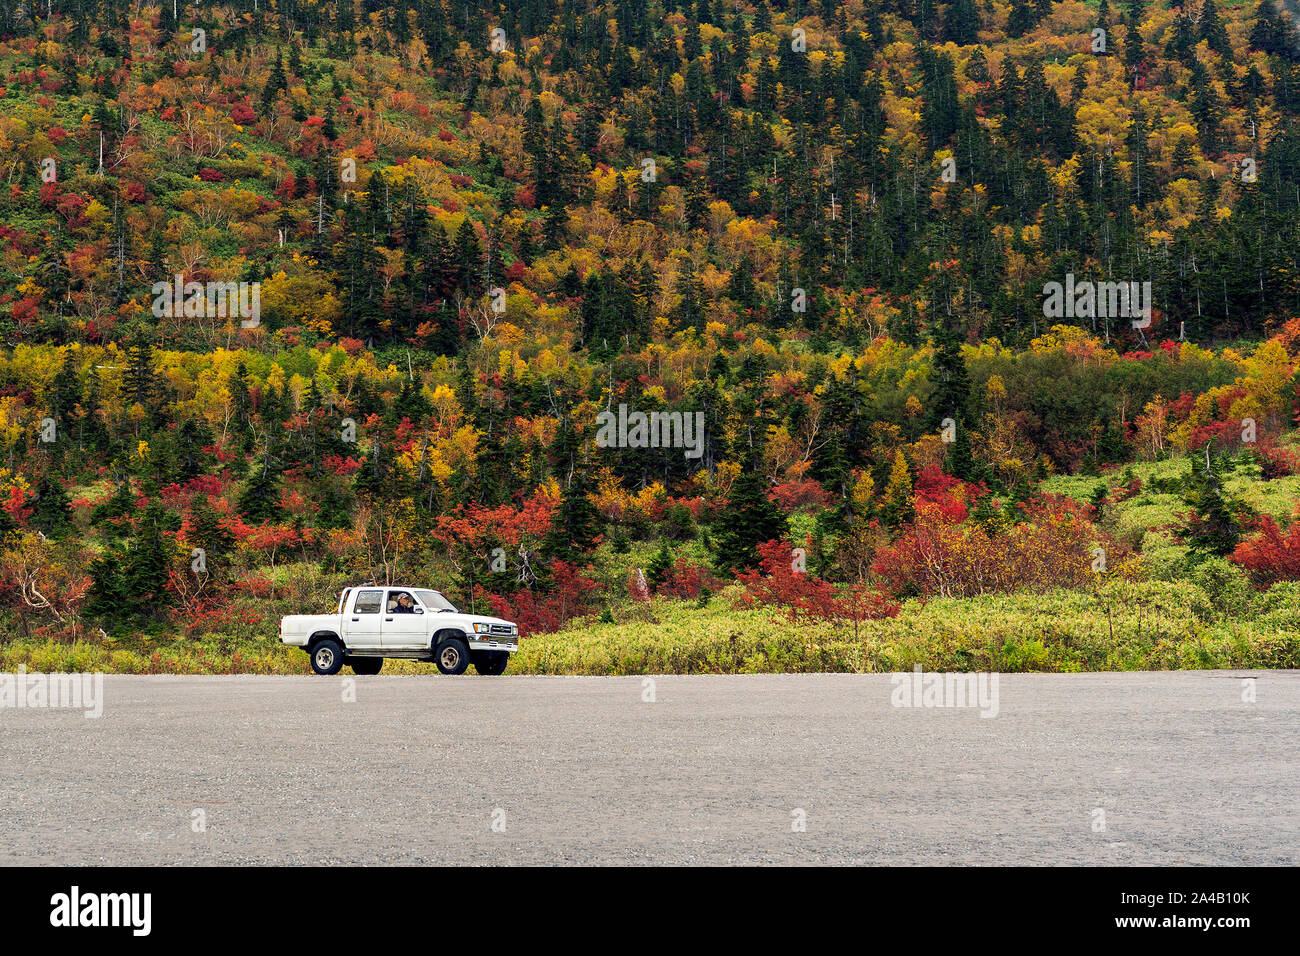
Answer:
(405, 604)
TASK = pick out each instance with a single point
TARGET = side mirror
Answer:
(419, 610)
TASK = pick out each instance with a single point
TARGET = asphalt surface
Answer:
(715, 770)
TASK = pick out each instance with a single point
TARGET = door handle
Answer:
(356, 619)
(388, 619)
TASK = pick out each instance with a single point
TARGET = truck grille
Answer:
(506, 630)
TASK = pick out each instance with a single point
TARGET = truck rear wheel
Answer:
(366, 665)
(490, 663)
(452, 656)
(327, 657)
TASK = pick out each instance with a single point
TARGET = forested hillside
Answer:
(295, 295)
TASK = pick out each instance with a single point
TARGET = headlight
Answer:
(482, 628)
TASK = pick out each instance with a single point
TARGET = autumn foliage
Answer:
(1052, 547)
(778, 584)
(537, 610)
(1272, 554)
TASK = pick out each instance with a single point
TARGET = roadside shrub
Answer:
(1226, 585)
(776, 583)
(686, 579)
(1053, 547)
(1272, 555)
(1279, 607)
(537, 611)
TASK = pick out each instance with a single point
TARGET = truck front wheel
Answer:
(452, 656)
(490, 663)
(327, 657)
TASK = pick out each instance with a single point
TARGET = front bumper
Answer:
(485, 642)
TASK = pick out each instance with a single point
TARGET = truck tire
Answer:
(490, 663)
(451, 656)
(366, 665)
(327, 657)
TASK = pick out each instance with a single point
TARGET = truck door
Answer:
(361, 624)
(403, 629)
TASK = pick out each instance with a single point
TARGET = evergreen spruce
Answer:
(750, 519)
(576, 525)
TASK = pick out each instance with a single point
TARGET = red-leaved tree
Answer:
(777, 583)
(1272, 555)
(539, 612)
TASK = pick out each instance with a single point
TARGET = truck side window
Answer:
(368, 602)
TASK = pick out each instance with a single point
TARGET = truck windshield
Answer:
(434, 600)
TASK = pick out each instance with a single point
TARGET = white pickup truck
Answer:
(373, 622)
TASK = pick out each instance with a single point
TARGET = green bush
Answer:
(1226, 585)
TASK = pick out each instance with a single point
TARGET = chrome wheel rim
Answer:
(450, 657)
(324, 658)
